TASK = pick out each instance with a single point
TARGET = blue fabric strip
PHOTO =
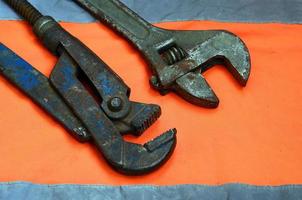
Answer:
(29, 191)
(283, 11)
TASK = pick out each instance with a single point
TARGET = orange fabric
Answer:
(253, 137)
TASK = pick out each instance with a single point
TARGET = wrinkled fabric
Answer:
(29, 191)
(167, 10)
(284, 11)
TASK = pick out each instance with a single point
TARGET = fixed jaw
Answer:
(194, 88)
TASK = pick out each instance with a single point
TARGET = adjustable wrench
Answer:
(177, 58)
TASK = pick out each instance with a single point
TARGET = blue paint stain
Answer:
(2, 47)
(68, 76)
(105, 84)
(28, 81)
(27, 77)
(18, 70)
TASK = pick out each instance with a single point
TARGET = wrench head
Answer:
(184, 58)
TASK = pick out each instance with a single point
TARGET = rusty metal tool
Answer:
(35, 85)
(177, 58)
(96, 96)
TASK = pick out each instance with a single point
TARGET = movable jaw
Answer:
(194, 88)
(179, 68)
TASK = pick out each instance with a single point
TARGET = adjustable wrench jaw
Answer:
(178, 63)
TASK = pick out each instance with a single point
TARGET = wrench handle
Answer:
(119, 17)
(35, 85)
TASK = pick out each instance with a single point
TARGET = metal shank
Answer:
(120, 18)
